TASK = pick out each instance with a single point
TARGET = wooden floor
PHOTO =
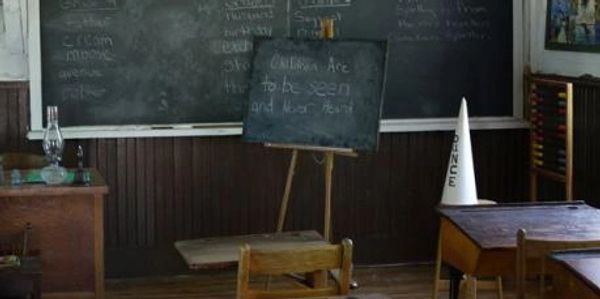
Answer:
(412, 282)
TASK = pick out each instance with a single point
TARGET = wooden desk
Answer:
(579, 273)
(224, 251)
(68, 230)
(481, 240)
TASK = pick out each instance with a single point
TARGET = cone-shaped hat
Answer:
(459, 186)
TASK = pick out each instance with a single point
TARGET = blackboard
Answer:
(316, 93)
(118, 62)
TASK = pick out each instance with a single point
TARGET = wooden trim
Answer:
(582, 81)
(50, 191)
(235, 129)
(99, 244)
(546, 81)
(98, 186)
(449, 124)
(338, 151)
(35, 64)
(70, 295)
(440, 209)
(14, 85)
(569, 136)
(327, 228)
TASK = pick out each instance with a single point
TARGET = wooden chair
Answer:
(22, 161)
(469, 284)
(22, 280)
(534, 250)
(306, 260)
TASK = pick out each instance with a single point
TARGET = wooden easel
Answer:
(328, 32)
(551, 134)
(329, 162)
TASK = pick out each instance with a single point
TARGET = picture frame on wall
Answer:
(573, 25)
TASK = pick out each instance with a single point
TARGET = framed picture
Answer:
(573, 25)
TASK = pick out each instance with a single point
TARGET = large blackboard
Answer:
(116, 62)
(318, 93)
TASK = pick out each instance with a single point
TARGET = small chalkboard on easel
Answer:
(318, 96)
(551, 138)
(316, 93)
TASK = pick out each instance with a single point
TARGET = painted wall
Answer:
(13, 40)
(555, 62)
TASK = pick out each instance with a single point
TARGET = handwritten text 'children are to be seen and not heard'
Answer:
(293, 93)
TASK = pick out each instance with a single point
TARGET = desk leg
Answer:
(455, 278)
(99, 245)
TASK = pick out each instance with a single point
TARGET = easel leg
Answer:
(286, 193)
(329, 156)
(285, 200)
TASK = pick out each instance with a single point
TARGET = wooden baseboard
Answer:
(70, 295)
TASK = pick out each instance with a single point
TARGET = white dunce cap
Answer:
(459, 186)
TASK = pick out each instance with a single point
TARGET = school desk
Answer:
(67, 228)
(481, 240)
(579, 273)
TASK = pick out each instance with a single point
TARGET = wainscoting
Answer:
(166, 189)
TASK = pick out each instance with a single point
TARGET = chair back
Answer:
(537, 250)
(296, 260)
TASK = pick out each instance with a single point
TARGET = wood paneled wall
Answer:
(14, 116)
(179, 188)
(166, 189)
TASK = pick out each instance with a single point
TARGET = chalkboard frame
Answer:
(516, 121)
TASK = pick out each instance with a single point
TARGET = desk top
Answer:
(584, 264)
(225, 251)
(496, 226)
(97, 185)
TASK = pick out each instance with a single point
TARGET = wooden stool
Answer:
(469, 285)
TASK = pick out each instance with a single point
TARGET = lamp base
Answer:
(53, 174)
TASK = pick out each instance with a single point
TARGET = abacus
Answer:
(551, 138)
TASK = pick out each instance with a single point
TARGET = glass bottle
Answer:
(53, 145)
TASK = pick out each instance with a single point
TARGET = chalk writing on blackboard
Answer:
(321, 93)
(135, 62)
